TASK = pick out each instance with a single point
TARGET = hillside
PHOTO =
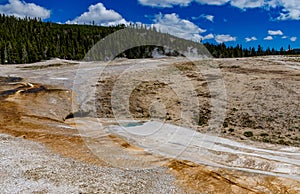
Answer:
(31, 40)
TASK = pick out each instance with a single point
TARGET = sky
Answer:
(269, 23)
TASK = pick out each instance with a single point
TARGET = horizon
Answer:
(269, 23)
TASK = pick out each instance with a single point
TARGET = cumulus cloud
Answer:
(164, 3)
(293, 39)
(275, 32)
(253, 38)
(22, 9)
(273, 3)
(290, 11)
(284, 37)
(243, 4)
(172, 24)
(99, 15)
(268, 38)
(224, 38)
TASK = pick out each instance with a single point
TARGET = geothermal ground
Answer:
(167, 125)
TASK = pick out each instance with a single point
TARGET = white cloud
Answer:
(207, 37)
(290, 11)
(273, 3)
(165, 3)
(224, 38)
(207, 17)
(171, 23)
(22, 9)
(236, 3)
(268, 38)
(293, 39)
(253, 38)
(100, 16)
(213, 2)
(242, 4)
(210, 17)
(284, 37)
(171, 3)
(275, 32)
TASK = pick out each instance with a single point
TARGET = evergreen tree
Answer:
(30, 40)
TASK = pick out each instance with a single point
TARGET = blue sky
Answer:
(270, 23)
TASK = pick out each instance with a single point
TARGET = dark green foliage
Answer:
(146, 52)
(222, 51)
(225, 124)
(248, 134)
(282, 142)
(144, 43)
(202, 121)
(31, 40)
(264, 134)
(231, 130)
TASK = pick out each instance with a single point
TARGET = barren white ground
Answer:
(29, 167)
(20, 157)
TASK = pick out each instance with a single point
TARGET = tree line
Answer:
(223, 51)
(31, 40)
